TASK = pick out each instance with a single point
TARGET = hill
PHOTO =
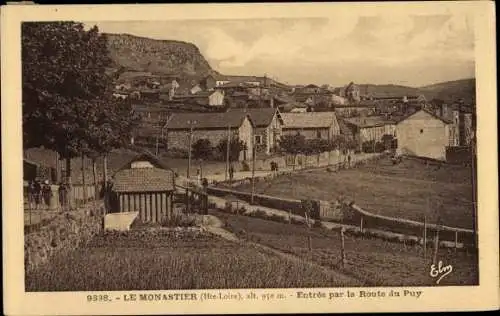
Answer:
(140, 54)
(452, 91)
(387, 90)
(449, 91)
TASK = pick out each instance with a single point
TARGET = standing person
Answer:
(46, 193)
(63, 191)
(198, 176)
(37, 192)
(349, 160)
(231, 173)
(31, 194)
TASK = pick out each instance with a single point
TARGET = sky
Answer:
(335, 50)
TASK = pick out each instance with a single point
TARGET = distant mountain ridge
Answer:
(449, 91)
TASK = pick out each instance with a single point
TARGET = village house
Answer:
(370, 128)
(123, 87)
(355, 109)
(151, 112)
(293, 107)
(120, 94)
(351, 92)
(211, 98)
(150, 94)
(309, 89)
(268, 127)
(212, 126)
(338, 100)
(311, 125)
(146, 186)
(424, 134)
(213, 81)
(195, 89)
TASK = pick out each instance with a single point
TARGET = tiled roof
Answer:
(143, 180)
(361, 104)
(207, 120)
(369, 121)
(261, 117)
(444, 120)
(308, 120)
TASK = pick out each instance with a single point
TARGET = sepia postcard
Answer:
(249, 158)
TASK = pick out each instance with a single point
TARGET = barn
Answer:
(144, 185)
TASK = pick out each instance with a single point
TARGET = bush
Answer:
(177, 153)
(245, 166)
(379, 147)
(179, 220)
(202, 149)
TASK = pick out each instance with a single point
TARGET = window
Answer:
(258, 139)
(318, 134)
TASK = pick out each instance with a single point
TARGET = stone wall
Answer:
(64, 232)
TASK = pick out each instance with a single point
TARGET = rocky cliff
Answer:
(157, 56)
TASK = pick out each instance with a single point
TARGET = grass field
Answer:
(163, 260)
(401, 191)
(372, 261)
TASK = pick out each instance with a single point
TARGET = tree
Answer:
(235, 147)
(202, 149)
(293, 144)
(67, 95)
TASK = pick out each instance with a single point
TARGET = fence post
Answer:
(456, 241)
(342, 247)
(436, 246)
(361, 224)
(425, 237)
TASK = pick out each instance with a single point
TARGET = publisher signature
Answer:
(440, 271)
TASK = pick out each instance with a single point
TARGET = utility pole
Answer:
(191, 123)
(253, 167)
(227, 150)
(474, 192)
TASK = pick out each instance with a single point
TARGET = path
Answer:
(216, 229)
(240, 175)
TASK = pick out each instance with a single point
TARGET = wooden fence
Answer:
(353, 215)
(409, 227)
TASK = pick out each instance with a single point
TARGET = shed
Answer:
(145, 185)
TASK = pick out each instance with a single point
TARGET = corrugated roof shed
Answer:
(308, 120)
(144, 180)
(233, 119)
(156, 179)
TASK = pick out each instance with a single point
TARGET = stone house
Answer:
(268, 127)
(355, 109)
(424, 134)
(211, 98)
(215, 127)
(322, 125)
